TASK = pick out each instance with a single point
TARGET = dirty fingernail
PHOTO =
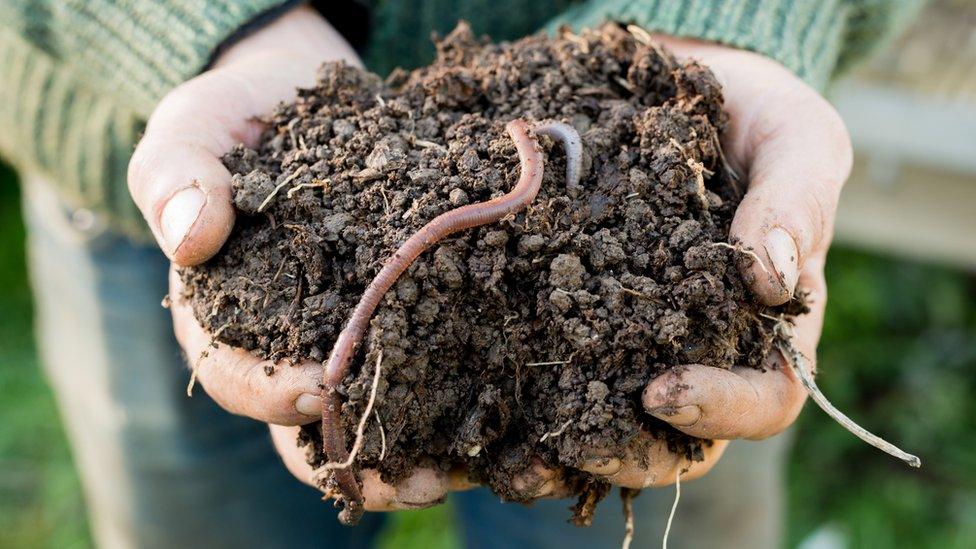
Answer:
(179, 214)
(602, 466)
(308, 404)
(682, 416)
(783, 254)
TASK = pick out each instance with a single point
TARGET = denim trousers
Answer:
(160, 469)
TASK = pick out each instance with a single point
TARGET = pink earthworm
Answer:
(450, 222)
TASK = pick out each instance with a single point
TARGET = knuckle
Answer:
(267, 401)
(818, 205)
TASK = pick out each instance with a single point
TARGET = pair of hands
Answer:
(787, 140)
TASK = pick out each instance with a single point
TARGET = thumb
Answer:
(176, 177)
(798, 155)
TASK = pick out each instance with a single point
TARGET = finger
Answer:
(709, 402)
(649, 463)
(425, 487)
(539, 481)
(799, 156)
(284, 439)
(237, 380)
(176, 176)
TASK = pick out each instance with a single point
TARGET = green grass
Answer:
(898, 354)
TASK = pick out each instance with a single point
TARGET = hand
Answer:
(795, 154)
(178, 181)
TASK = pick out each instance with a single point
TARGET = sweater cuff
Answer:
(803, 35)
(141, 49)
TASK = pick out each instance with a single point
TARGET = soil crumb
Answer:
(527, 339)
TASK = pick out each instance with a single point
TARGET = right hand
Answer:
(184, 191)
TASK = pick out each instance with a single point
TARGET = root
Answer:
(741, 250)
(557, 432)
(382, 435)
(798, 363)
(627, 496)
(674, 508)
(192, 383)
(267, 200)
(361, 429)
(317, 183)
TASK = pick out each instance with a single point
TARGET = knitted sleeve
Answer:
(814, 38)
(134, 50)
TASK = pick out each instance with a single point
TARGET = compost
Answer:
(530, 337)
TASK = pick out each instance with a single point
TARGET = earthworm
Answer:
(450, 222)
(565, 134)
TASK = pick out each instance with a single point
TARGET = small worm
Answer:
(566, 134)
(450, 222)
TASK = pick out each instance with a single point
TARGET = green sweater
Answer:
(78, 78)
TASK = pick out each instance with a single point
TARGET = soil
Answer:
(553, 319)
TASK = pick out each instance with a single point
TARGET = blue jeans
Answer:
(163, 470)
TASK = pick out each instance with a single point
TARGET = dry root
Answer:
(361, 429)
(674, 508)
(627, 496)
(741, 250)
(557, 432)
(798, 363)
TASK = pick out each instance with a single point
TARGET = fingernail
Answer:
(179, 214)
(682, 416)
(602, 466)
(402, 505)
(546, 488)
(308, 404)
(782, 252)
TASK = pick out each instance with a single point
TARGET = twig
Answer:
(557, 432)
(287, 180)
(674, 508)
(742, 250)
(382, 435)
(317, 183)
(798, 363)
(424, 144)
(362, 423)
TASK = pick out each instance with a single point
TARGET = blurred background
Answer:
(898, 352)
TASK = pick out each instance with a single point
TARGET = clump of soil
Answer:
(552, 320)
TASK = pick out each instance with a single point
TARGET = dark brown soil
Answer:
(556, 316)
